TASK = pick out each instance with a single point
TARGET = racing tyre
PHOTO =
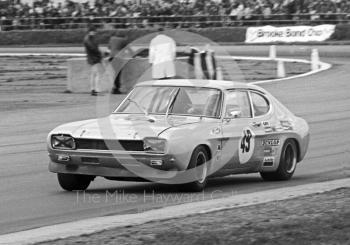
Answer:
(200, 157)
(288, 163)
(74, 182)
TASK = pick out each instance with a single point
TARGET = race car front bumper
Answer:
(114, 164)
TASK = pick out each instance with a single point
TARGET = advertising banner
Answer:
(288, 34)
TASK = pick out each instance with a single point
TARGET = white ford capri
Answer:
(182, 132)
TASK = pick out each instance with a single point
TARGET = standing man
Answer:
(115, 45)
(162, 55)
(94, 59)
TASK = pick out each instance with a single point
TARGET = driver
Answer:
(183, 103)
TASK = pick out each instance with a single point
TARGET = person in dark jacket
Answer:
(115, 45)
(94, 59)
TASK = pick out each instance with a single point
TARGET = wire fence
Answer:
(200, 21)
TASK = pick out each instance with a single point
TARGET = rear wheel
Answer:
(287, 165)
(199, 161)
(74, 182)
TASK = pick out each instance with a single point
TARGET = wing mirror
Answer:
(233, 114)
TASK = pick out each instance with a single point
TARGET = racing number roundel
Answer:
(246, 146)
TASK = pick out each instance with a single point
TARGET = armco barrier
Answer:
(342, 32)
(75, 37)
(60, 37)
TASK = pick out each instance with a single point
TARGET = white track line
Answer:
(323, 66)
(89, 226)
(261, 58)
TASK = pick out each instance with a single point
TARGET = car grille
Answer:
(120, 145)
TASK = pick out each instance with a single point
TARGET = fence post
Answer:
(219, 75)
(273, 52)
(210, 64)
(315, 59)
(281, 71)
(198, 72)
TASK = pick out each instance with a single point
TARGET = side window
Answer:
(237, 105)
(261, 105)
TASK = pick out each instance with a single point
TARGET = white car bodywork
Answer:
(116, 147)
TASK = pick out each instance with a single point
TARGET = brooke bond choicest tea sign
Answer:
(269, 34)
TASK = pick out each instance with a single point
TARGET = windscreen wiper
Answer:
(141, 108)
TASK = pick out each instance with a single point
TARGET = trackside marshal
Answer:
(162, 55)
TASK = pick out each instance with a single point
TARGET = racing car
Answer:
(182, 132)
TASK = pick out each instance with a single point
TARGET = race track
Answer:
(31, 197)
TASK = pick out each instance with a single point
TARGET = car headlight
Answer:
(155, 145)
(62, 141)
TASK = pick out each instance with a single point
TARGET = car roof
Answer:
(201, 83)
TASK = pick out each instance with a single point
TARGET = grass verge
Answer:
(314, 219)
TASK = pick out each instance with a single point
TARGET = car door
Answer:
(264, 125)
(238, 142)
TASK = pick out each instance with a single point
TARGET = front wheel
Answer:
(287, 165)
(74, 182)
(199, 161)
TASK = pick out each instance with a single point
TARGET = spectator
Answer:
(115, 45)
(162, 55)
(94, 59)
(248, 11)
(211, 12)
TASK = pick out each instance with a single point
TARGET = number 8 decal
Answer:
(246, 146)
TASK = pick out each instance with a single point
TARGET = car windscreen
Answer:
(187, 101)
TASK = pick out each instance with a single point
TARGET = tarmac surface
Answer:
(31, 197)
